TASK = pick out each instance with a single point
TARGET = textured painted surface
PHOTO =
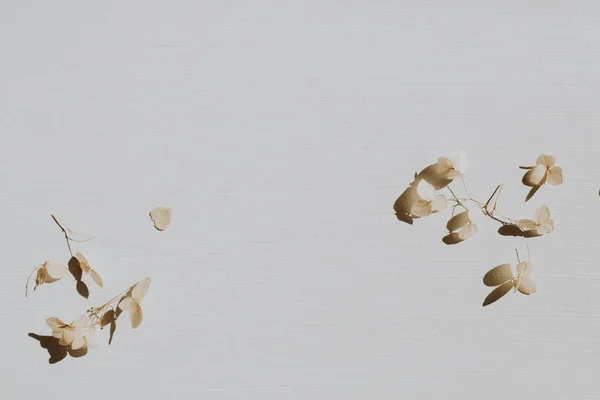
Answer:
(281, 136)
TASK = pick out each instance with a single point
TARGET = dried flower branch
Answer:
(76, 337)
(502, 277)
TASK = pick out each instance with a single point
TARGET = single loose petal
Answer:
(161, 216)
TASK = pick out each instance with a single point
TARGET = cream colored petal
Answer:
(90, 341)
(439, 203)
(161, 216)
(54, 272)
(67, 337)
(54, 323)
(526, 285)
(528, 224)
(546, 160)
(136, 315)
(425, 190)
(128, 304)
(57, 333)
(140, 290)
(463, 162)
(78, 341)
(458, 221)
(444, 165)
(454, 174)
(523, 268)
(83, 262)
(79, 322)
(498, 275)
(467, 231)
(542, 215)
(535, 176)
(96, 277)
(421, 208)
(546, 227)
(555, 176)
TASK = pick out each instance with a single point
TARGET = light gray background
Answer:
(281, 134)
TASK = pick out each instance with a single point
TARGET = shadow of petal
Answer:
(497, 293)
(452, 238)
(82, 351)
(56, 351)
(404, 204)
(75, 268)
(82, 289)
(531, 193)
(113, 328)
(510, 230)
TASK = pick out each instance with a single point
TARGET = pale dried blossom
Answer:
(161, 216)
(49, 272)
(132, 304)
(87, 269)
(453, 167)
(545, 171)
(540, 224)
(75, 335)
(429, 202)
(502, 277)
(463, 225)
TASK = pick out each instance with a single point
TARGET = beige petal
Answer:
(535, 176)
(78, 341)
(498, 275)
(425, 190)
(136, 315)
(458, 221)
(542, 215)
(444, 165)
(546, 227)
(467, 231)
(555, 176)
(141, 288)
(96, 277)
(83, 262)
(79, 322)
(128, 304)
(55, 272)
(421, 208)
(523, 268)
(439, 203)
(528, 224)
(498, 293)
(161, 216)
(526, 285)
(67, 337)
(546, 160)
(54, 322)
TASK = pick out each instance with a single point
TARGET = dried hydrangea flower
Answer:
(502, 277)
(428, 203)
(545, 171)
(463, 224)
(49, 272)
(87, 269)
(453, 167)
(541, 224)
(132, 303)
(75, 335)
(161, 216)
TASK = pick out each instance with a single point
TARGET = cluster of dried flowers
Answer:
(422, 199)
(76, 337)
